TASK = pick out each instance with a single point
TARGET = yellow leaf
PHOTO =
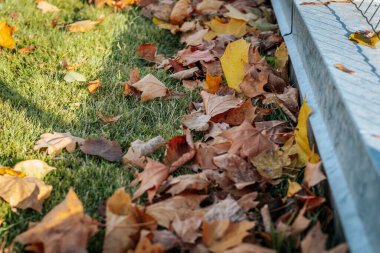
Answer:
(233, 61)
(365, 38)
(302, 141)
(6, 32)
(281, 56)
(234, 27)
(9, 171)
(293, 188)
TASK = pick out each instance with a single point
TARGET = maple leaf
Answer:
(215, 104)
(27, 192)
(151, 178)
(6, 33)
(180, 12)
(227, 209)
(237, 14)
(123, 221)
(34, 168)
(151, 88)
(182, 205)
(206, 152)
(145, 246)
(234, 27)
(247, 141)
(136, 155)
(220, 236)
(209, 6)
(64, 229)
(194, 38)
(233, 61)
(56, 142)
(148, 52)
(270, 164)
(187, 229)
(85, 25)
(255, 79)
(315, 242)
(192, 182)
(196, 121)
(109, 150)
(302, 140)
(46, 7)
(313, 174)
(236, 116)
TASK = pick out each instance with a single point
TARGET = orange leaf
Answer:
(212, 83)
(6, 33)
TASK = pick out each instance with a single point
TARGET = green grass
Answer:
(35, 99)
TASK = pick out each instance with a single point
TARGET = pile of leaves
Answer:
(243, 177)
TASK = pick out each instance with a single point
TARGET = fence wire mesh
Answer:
(370, 9)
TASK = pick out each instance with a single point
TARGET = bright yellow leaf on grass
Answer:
(234, 27)
(6, 32)
(233, 61)
(302, 141)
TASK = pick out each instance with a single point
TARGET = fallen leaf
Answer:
(315, 242)
(366, 38)
(93, 86)
(184, 74)
(209, 6)
(227, 209)
(34, 168)
(293, 188)
(234, 27)
(112, 119)
(247, 141)
(6, 33)
(188, 57)
(313, 174)
(271, 163)
(192, 182)
(325, 2)
(282, 56)
(254, 81)
(85, 25)
(46, 7)
(267, 219)
(136, 155)
(151, 88)
(134, 77)
(250, 248)
(166, 238)
(196, 121)
(194, 38)
(56, 142)
(64, 229)
(343, 68)
(182, 205)
(187, 229)
(166, 26)
(11, 172)
(145, 246)
(236, 116)
(300, 222)
(206, 152)
(220, 236)
(124, 220)
(192, 84)
(151, 178)
(215, 104)
(27, 50)
(27, 192)
(179, 150)
(148, 52)
(233, 62)
(236, 14)
(188, 26)
(180, 12)
(212, 83)
(247, 202)
(73, 76)
(301, 136)
(108, 150)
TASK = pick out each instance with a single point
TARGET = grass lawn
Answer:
(35, 99)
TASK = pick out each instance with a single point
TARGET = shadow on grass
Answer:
(93, 179)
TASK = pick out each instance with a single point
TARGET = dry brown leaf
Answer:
(196, 121)
(216, 129)
(227, 209)
(183, 205)
(27, 192)
(148, 52)
(247, 202)
(247, 141)
(343, 68)
(34, 168)
(237, 14)
(145, 246)
(180, 12)
(166, 238)
(206, 152)
(209, 6)
(64, 229)
(269, 164)
(151, 88)
(250, 248)
(301, 222)
(151, 178)
(236, 116)
(136, 155)
(108, 150)
(85, 25)
(315, 242)
(56, 142)
(134, 76)
(46, 7)
(188, 26)
(112, 119)
(124, 221)
(191, 182)
(215, 104)
(313, 174)
(220, 236)
(254, 81)
(187, 229)
(27, 50)
(267, 220)
(187, 56)
(184, 74)
(180, 150)
(194, 38)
